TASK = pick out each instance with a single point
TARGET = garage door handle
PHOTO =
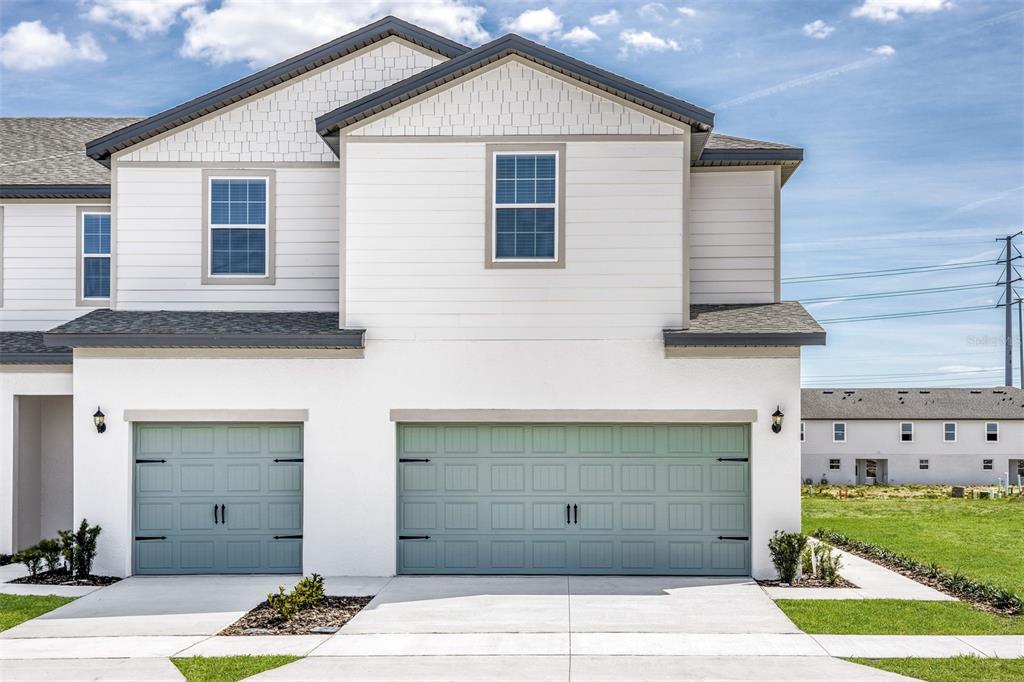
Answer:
(287, 537)
(576, 515)
(413, 537)
(150, 537)
(403, 460)
(733, 537)
(151, 461)
(289, 459)
(567, 520)
(223, 514)
(215, 515)
(733, 459)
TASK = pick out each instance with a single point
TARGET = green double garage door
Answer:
(217, 498)
(581, 499)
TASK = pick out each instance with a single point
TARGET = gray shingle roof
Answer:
(786, 323)
(204, 329)
(28, 347)
(51, 151)
(726, 150)
(912, 403)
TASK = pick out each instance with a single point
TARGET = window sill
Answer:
(524, 264)
(263, 280)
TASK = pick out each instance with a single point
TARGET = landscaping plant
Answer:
(79, 549)
(826, 563)
(786, 549)
(307, 593)
(50, 549)
(806, 563)
(32, 558)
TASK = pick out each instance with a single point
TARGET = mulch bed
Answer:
(64, 578)
(333, 612)
(807, 582)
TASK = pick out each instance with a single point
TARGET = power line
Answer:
(914, 313)
(889, 272)
(891, 294)
(935, 373)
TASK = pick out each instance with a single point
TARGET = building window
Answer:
(992, 432)
(986, 464)
(922, 464)
(238, 239)
(838, 432)
(94, 255)
(906, 432)
(949, 432)
(803, 432)
(525, 211)
(833, 464)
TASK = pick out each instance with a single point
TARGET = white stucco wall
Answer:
(13, 383)
(959, 462)
(350, 467)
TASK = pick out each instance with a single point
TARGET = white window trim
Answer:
(80, 298)
(988, 467)
(956, 432)
(924, 464)
(845, 433)
(491, 259)
(987, 424)
(900, 433)
(838, 466)
(269, 227)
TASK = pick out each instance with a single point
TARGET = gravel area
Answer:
(807, 582)
(329, 616)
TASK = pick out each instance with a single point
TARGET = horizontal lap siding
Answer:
(39, 251)
(159, 243)
(732, 237)
(415, 219)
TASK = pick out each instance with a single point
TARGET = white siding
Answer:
(159, 243)
(39, 252)
(280, 126)
(415, 245)
(516, 99)
(732, 236)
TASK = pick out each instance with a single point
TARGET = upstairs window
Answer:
(803, 432)
(906, 432)
(525, 212)
(239, 239)
(94, 256)
(838, 432)
(949, 432)
(992, 432)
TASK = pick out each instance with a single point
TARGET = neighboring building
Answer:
(400, 306)
(912, 435)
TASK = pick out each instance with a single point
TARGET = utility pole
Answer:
(1020, 336)
(1009, 308)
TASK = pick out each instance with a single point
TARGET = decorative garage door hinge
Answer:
(289, 459)
(287, 537)
(733, 459)
(151, 461)
(413, 537)
(733, 537)
(150, 537)
(407, 459)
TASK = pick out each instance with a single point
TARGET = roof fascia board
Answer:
(35, 358)
(387, 98)
(101, 148)
(50, 191)
(752, 155)
(346, 338)
(675, 338)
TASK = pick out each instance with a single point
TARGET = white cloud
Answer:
(235, 32)
(609, 18)
(29, 46)
(886, 11)
(138, 17)
(645, 41)
(652, 10)
(541, 22)
(818, 29)
(686, 11)
(884, 50)
(960, 369)
(580, 35)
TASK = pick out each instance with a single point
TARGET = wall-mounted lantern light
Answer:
(100, 420)
(777, 420)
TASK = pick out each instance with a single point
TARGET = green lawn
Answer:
(951, 669)
(227, 668)
(17, 608)
(980, 538)
(896, 617)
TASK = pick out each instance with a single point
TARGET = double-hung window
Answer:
(239, 231)
(525, 212)
(94, 256)
(906, 432)
(838, 432)
(992, 432)
(922, 464)
(949, 432)
(803, 432)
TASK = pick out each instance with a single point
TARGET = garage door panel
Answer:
(573, 501)
(225, 467)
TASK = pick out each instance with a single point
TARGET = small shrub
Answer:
(806, 563)
(79, 548)
(308, 592)
(32, 558)
(826, 563)
(6, 559)
(785, 549)
(51, 552)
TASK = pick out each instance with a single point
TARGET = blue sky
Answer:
(911, 114)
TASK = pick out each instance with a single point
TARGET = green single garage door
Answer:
(541, 498)
(218, 498)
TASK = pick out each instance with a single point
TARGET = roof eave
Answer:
(676, 338)
(35, 358)
(345, 338)
(51, 191)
